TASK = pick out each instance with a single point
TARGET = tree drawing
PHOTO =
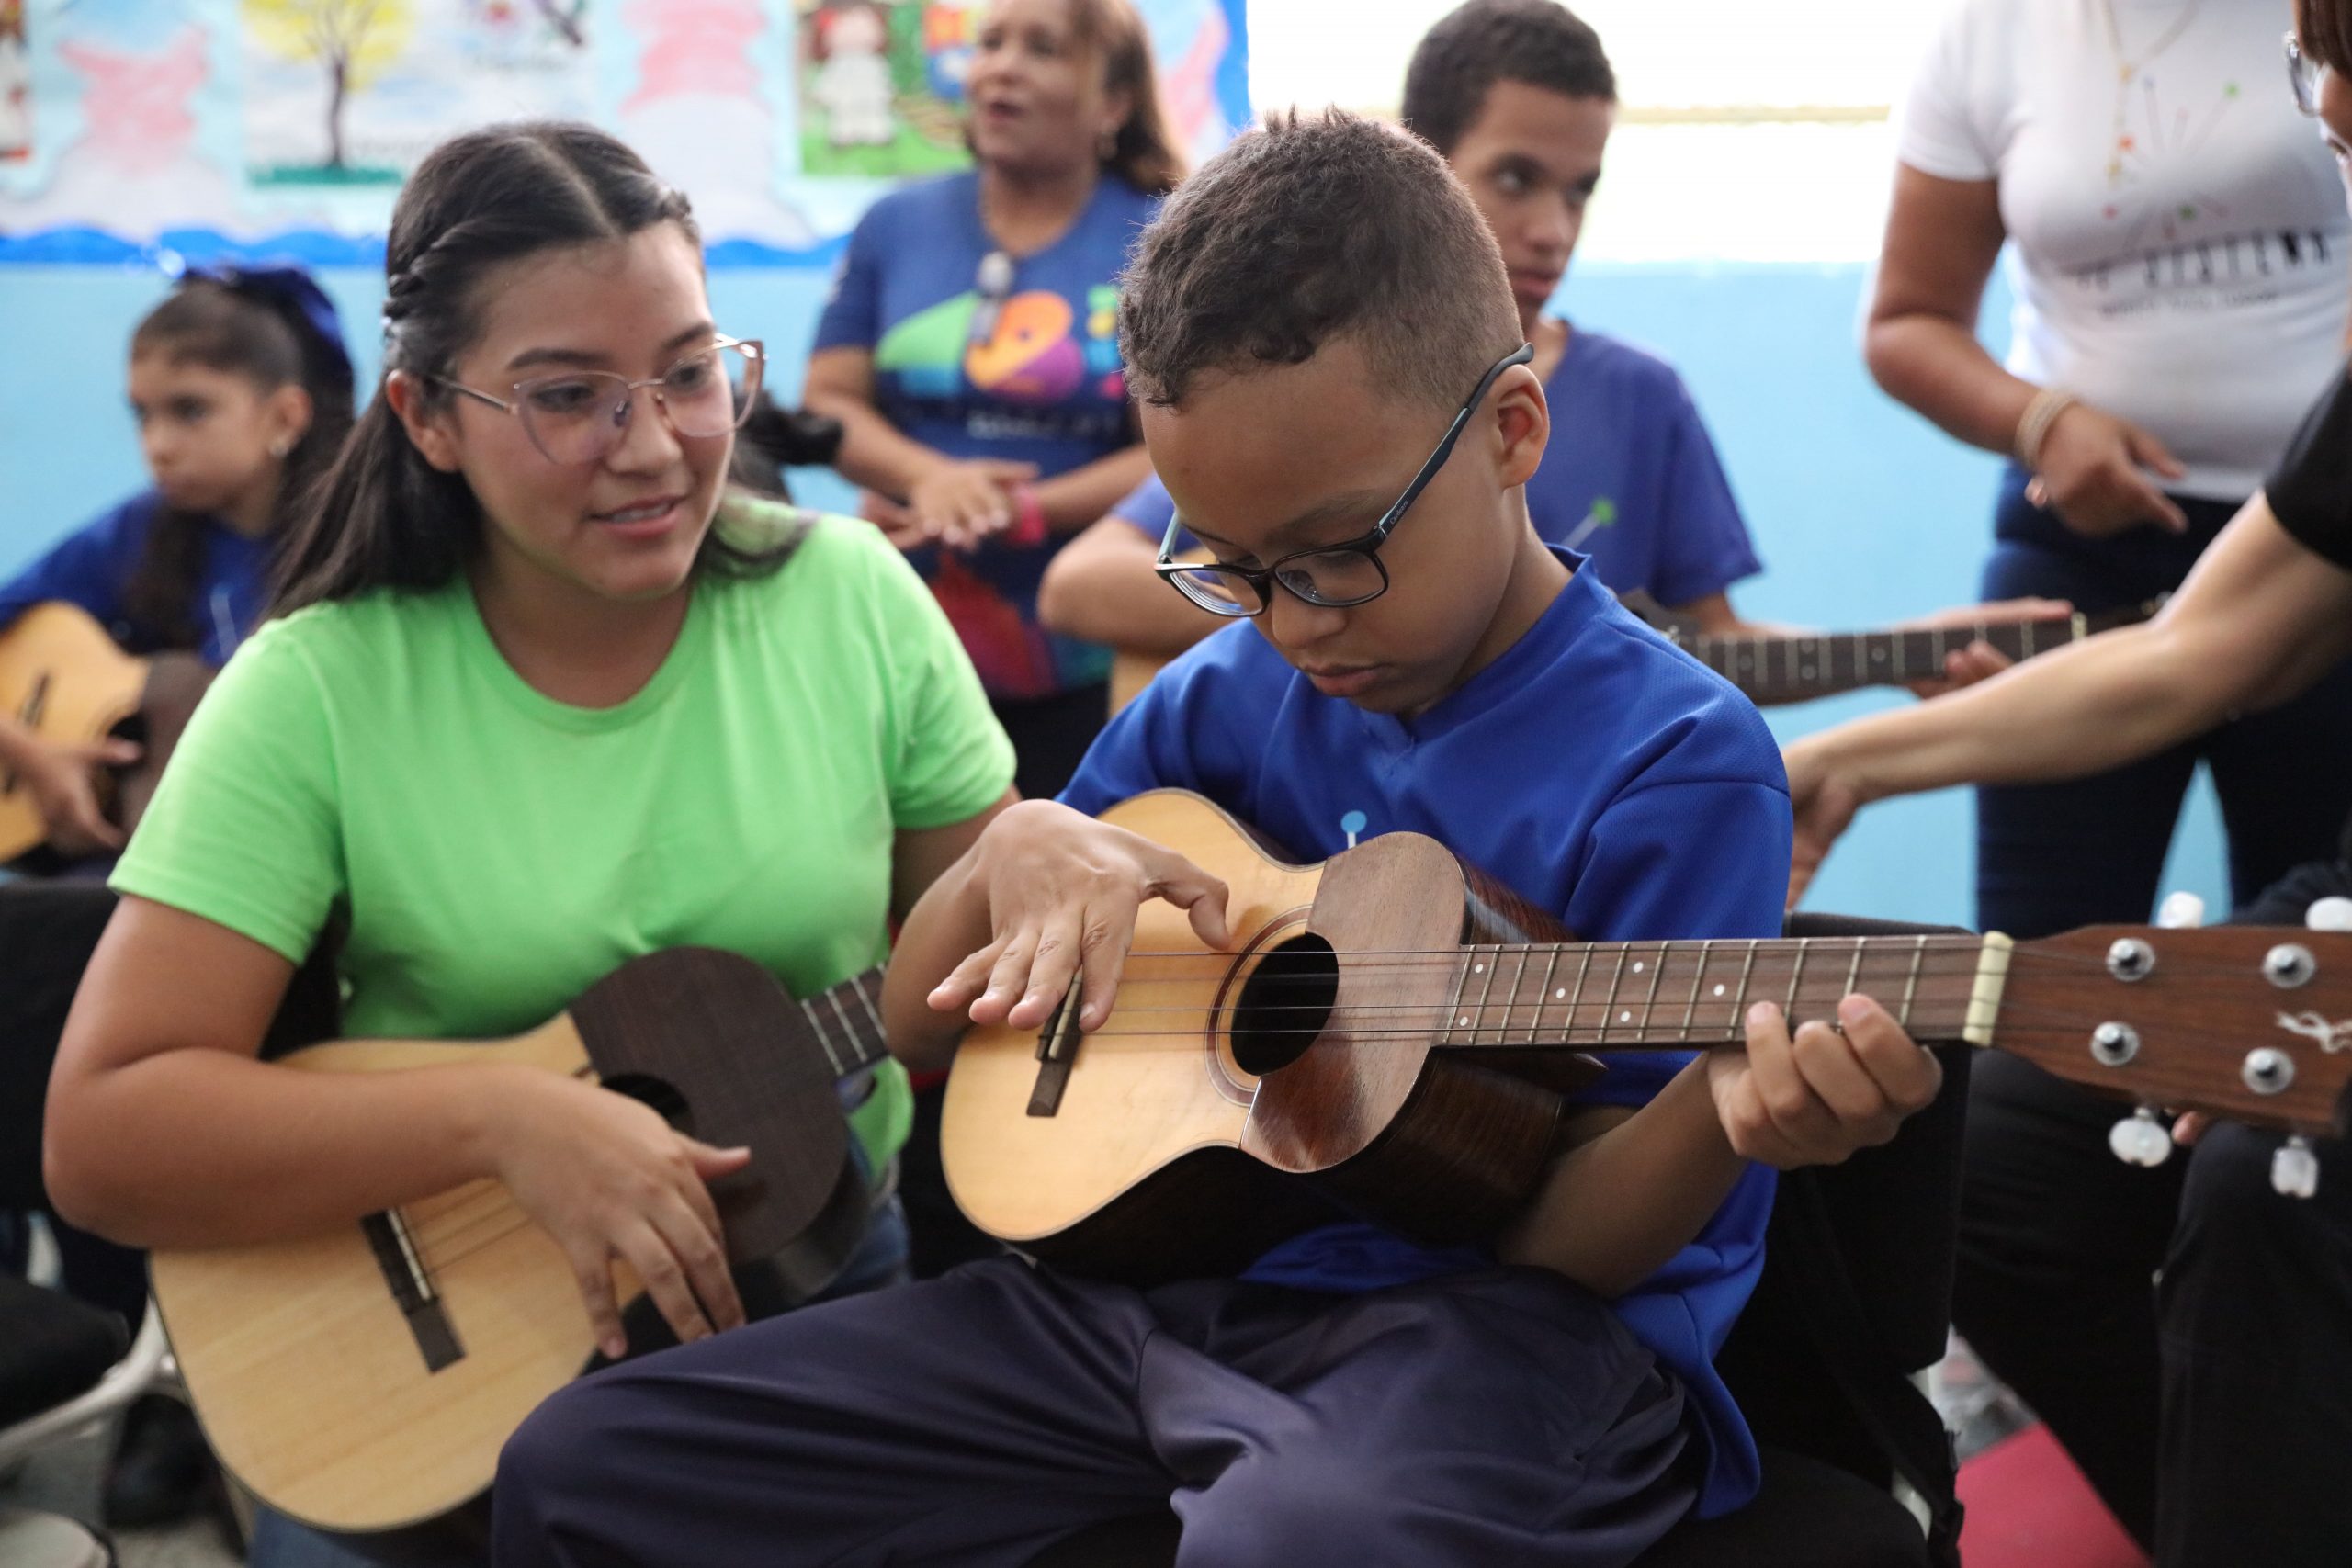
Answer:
(351, 40)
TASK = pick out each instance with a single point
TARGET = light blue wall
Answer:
(1863, 513)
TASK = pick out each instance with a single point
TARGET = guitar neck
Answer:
(1686, 995)
(1792, 668)
(847, 1022)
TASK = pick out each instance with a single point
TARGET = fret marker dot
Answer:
(1561, 992)
(1637, 966)
(1625, 1018)
(1477, 969)
(1719, 990)
(1465, 1018)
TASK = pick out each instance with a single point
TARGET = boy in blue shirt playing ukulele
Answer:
(1334, 386)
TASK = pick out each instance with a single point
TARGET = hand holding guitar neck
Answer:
(1817, 1097)
(1059, 891)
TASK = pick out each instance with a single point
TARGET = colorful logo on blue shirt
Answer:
(1035, 357)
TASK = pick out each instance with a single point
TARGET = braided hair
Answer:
(385, 517)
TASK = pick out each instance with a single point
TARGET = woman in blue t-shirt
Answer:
(242, 391)
(971, 350)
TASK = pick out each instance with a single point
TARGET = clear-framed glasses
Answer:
(578, 416)
(2304, 74)
(1335, 576)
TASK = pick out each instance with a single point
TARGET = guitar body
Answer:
(63, 677)
(1173, 1154)
(346, 1402)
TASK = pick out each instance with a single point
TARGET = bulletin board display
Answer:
(130, 127)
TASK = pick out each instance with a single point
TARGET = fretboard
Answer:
(1791, 669)
(847, 1021)
(1653, 995)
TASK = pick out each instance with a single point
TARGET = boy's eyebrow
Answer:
(1305, 522)
(581, 356)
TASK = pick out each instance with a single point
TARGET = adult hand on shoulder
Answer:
(610, 1180)
(1816, 1097)
(1062, 893)
(962, 503)
(64, 779)
(1824, 803)
(1980, 659)
(2094, 475)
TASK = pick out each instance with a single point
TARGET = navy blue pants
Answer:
(1500, 1417)
(2052, 857)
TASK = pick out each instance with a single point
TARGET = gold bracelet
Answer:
(2034, 427)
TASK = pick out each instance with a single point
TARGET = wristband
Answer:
(2034, 427)
(1028, 528)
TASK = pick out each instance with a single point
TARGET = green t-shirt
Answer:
(495, 851)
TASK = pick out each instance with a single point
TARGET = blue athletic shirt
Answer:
(1629, 479)
(1048, 387)
(93, 567)
(1594, 770)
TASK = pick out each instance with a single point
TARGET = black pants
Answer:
(2213, 1410)
(2051, 857)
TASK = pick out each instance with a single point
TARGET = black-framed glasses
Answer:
(2304, 74)
(1334, 576)
(578, 416)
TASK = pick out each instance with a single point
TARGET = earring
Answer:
(279, 447)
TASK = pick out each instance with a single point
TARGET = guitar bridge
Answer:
(1056, 1053)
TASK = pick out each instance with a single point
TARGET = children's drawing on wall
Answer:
(882, 85)
(15, 86)
(353, 92)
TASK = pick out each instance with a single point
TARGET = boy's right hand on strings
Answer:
(610, 1180)
(1061, 893)
(64, 779)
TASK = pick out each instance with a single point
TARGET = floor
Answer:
(63, 1479)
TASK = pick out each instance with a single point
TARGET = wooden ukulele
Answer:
(366, 1378)
(1798, 667)
(1393, 1034)
(63, 677)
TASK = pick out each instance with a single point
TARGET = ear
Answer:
(286, 418)
(431, 431)
(1522, 425)
(1118, 107)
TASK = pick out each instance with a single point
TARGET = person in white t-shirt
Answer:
(2177, 241)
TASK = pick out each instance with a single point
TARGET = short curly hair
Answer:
(1460, 59)
(1308, 230)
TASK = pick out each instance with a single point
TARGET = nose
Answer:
(648, 443)
(1551, 226)
(1291, 622)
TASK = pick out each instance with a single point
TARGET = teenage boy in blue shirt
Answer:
(1519, 98)
(1305, 323)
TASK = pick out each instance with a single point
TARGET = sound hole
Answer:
(1285, 1004)
(660, 1093)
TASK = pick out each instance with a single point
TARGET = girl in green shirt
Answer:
(538, 698)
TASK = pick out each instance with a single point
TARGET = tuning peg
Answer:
(2333, 913)
(2140, 1139)
(2294, 1168)
(2181, 910)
